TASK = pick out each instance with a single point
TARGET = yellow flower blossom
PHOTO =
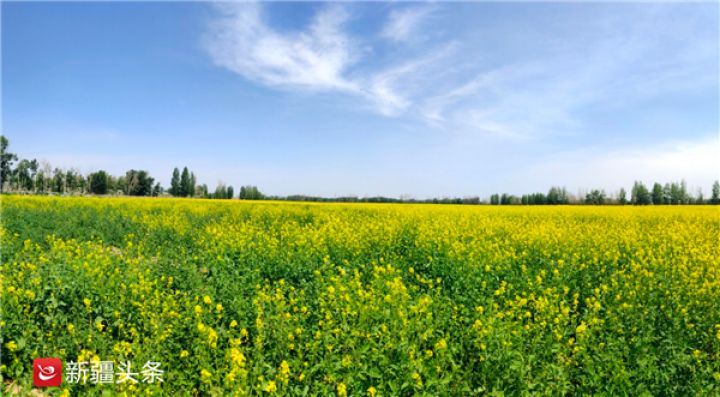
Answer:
(12, 346)
(341, 390)
(270, 387)
(372, 391)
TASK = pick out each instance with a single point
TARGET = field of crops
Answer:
(256, 298)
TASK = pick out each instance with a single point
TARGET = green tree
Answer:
(537, 199)
(657, 194)
(667, 194)
(622, 197)
(6, 162)
(40, 179)
(58, 185)
(139, 183)
(121, 184)
(250, 193)
(640, 194)
(25, 174)
(98, 182)
(715, 198)
(596, 197)
(220, 192)
(230, 192)
(175, 182)
(557, 195)
(193, 182)
(185, 183)
(72, 180)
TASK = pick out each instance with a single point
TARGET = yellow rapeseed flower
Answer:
(342, 390)
(12, 346)
(270, 387)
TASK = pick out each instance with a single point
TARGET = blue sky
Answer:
(423, 99)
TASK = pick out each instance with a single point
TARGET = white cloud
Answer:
(315, 59)
(545, 96)
(322, 58)
(450, 86)
(393, 90)
(402, 23)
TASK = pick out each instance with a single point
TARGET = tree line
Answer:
(672, 193)
(29, 176)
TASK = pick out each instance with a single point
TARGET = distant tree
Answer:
(596, 197)
(622, 197)
(6, 162)
(538, 199)
(680, 193)
(640, 194)
(72, 180)
(34, 169)
(220, 192)
(677, 193)
(191, 187)
(250, 193)
(557, 195)
(157, 190)
(175, 182)
(667, 194)
(98, 182)
(230, 192)
(83, 183)
(58, 185)
(25, 174)
(40, 181)
(657, 194)
(494, 199)
(715, 198)
(112, 185)
(121, 184)
(674, 193)
(185, 183)
(139, 183)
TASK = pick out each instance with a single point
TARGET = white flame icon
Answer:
(46, 373)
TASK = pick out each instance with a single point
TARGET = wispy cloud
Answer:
(402, 23)
(449, 86)
(315, 59)
(397, 88)
(322, 58)
(545, 96)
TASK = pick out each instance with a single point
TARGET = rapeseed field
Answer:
(270, 298)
